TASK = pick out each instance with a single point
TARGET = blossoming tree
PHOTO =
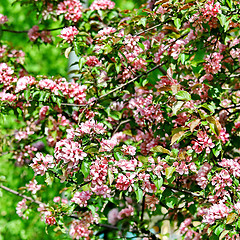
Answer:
(148, 131)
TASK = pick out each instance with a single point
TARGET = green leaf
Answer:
(110, 177)
(183, 95)
(107, 49)
(85, 168)
(93, 209)
(177, 106)
(177, 23)
(171, 202)
(218, 230)
(139, 194)
(169, 172)
(82, 61)
(222, 19)
(27, 94)
(158, 182)
(142, 21)
(160, 149)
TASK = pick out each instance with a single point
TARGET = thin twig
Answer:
(186, 191)
(21, 195)
(26, 31)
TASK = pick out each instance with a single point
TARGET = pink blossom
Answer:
(23, 82)
(107, 145)
(183, 227)
(56, 199)
(125, 182)
(102, 190)
(50, 220)
(47, 84)
(151, 201)
(3, 19)
(216, 212)
(129, 150)
(92, 61)
(102, 4)
(212, 64)
(41, 164)
(79, 230)
(98, 171)
(126, 212)
(6, 73)
(81, 198)
(69, 33)
(43, 112)
(202, 175)
(113, 216)
(33, 187)
(223, 136)
(21, 208)
(129, 165)
(203, 142)
(72, 10)
(34, 33)
(7, 97)
(46, 36)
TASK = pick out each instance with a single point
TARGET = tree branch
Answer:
(26, 31)
(21, 195)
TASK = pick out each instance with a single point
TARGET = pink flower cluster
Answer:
(7, 97)
(92, 61)
(70, 153)
(41, 164)
(102, 190)
(129, 150)
(99, 171)
(151, 201)
(89, 127)
(210, 10)
(33, 187)
(125, 182)
(202, 142)
(216, 212)
(126, 212)
(213, 63)
(6, 73)
(102, 4)
(127, 165)
(223, 136)
(21, 208)
(233, 166)
(23, 82)
(81, 198)
(144, 110)
(34, 34)
(70, 90)
(69, 33)
(43, 112)
(79, 230)
(72, 10)
(50, 220)
(201, 178)
(3, 19)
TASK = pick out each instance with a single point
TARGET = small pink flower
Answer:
(102, 4)
(50, 220)
(69, 33)
(92, 61)
(34, 33)
(3, 19)
(33, 187)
